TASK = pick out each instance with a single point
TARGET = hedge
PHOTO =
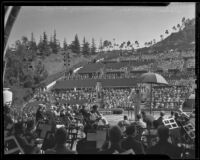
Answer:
(117, 111)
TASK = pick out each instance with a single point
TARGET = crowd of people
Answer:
(145, 135)
(172, 97)
(162, 97)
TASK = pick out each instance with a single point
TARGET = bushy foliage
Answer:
(117, 111)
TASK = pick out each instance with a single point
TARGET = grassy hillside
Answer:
(183, 39)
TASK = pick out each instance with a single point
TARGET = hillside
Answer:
(181, 40)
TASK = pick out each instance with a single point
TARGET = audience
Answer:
(160, 119)
(148, 119)
(61, 147)
(115, 137)
(130, 142)
(163, 146)
(140, 122)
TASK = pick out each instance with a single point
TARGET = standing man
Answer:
(137, 105)
(131, 99)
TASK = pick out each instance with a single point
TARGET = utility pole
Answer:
(67, 61)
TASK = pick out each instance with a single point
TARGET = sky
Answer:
(122, 23)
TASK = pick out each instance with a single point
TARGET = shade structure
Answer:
(152, 78)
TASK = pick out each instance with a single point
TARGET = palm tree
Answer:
(145, 44)
(137, 44)
(151, 43)
(154, 41)
(183, 22)
(161, 36)
(187, 22)
(178, 26)
(114, 43)
(110, 45)
(128, 44)
(174, 28)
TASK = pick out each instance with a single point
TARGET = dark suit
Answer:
(148, 119)
(131, 143)
(112, 149)
(166, 148)
(159, 121)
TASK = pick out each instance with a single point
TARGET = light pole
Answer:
(66, 61)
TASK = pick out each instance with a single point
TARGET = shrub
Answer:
(117, 111)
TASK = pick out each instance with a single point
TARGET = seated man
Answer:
(125, 121)
(96, 117)
(130, 142)
(149, 136)
(160, 119)
(61, 147)
(148, 119)
(139, 121)
(114, 142)
(163, 146)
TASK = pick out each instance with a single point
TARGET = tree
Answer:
(166, 32)
(183, 22)
(154, 41)
(187, 22)
(85, 48)
(51, 44)
(174, 28)
(109, 45)
(121, 46)
(18, 64)
(128, 44)
(114, 44)
(55, 44)
(178, 26)
(40, 73)
(93, 47)
(25, 41)
(40, 46)
(145, 44)
(106, 44)
(75, 45)
(161, 36)
(33, 45)
(137, 44)
(100, 45)
(65, 45)
(45, 46)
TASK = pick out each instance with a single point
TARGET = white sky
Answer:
(129, 23)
